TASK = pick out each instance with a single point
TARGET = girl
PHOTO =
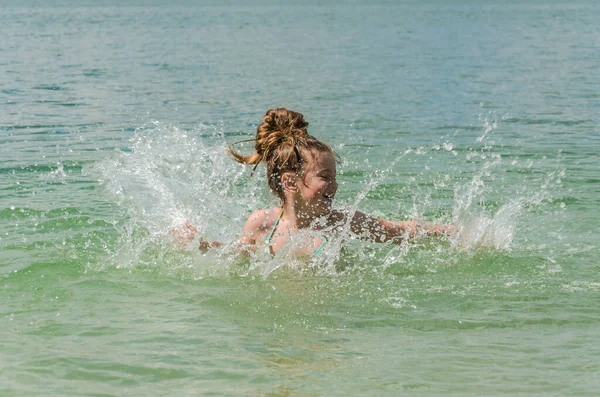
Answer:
(301, 171)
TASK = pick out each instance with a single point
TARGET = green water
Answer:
(113, 122)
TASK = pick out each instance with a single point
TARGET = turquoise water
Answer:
(113, 122)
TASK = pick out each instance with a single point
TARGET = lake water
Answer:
(113, 120)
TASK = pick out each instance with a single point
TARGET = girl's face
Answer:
(317, 187)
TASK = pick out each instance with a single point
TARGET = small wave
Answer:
(532, 121)
(581, 286)
(50, 87)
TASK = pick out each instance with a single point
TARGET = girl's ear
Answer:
(288, 182)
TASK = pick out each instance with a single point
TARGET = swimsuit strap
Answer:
(318, 251)
(268, 240)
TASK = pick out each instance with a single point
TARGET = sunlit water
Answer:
(113, 129)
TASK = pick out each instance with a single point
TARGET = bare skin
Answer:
(308, 198)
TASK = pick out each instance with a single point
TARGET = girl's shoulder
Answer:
(259, 223)
(263, 219)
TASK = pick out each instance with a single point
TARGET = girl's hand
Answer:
(184, 235)
(205, 245)
(444, 230)
(451, 230)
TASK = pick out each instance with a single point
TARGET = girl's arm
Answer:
(380, 230)
(254, 227)
(184, 235)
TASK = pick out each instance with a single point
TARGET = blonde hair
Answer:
(283, 143)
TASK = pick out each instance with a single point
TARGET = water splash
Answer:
(487, 224)
(169, 175)
(490, 123)
(58, 175)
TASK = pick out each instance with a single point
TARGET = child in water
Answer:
(301, 171)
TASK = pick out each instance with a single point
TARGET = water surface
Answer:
(114, 120)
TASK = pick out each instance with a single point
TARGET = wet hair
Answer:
(283, 143)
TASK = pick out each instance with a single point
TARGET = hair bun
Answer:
(280, 127)
(286, 122)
